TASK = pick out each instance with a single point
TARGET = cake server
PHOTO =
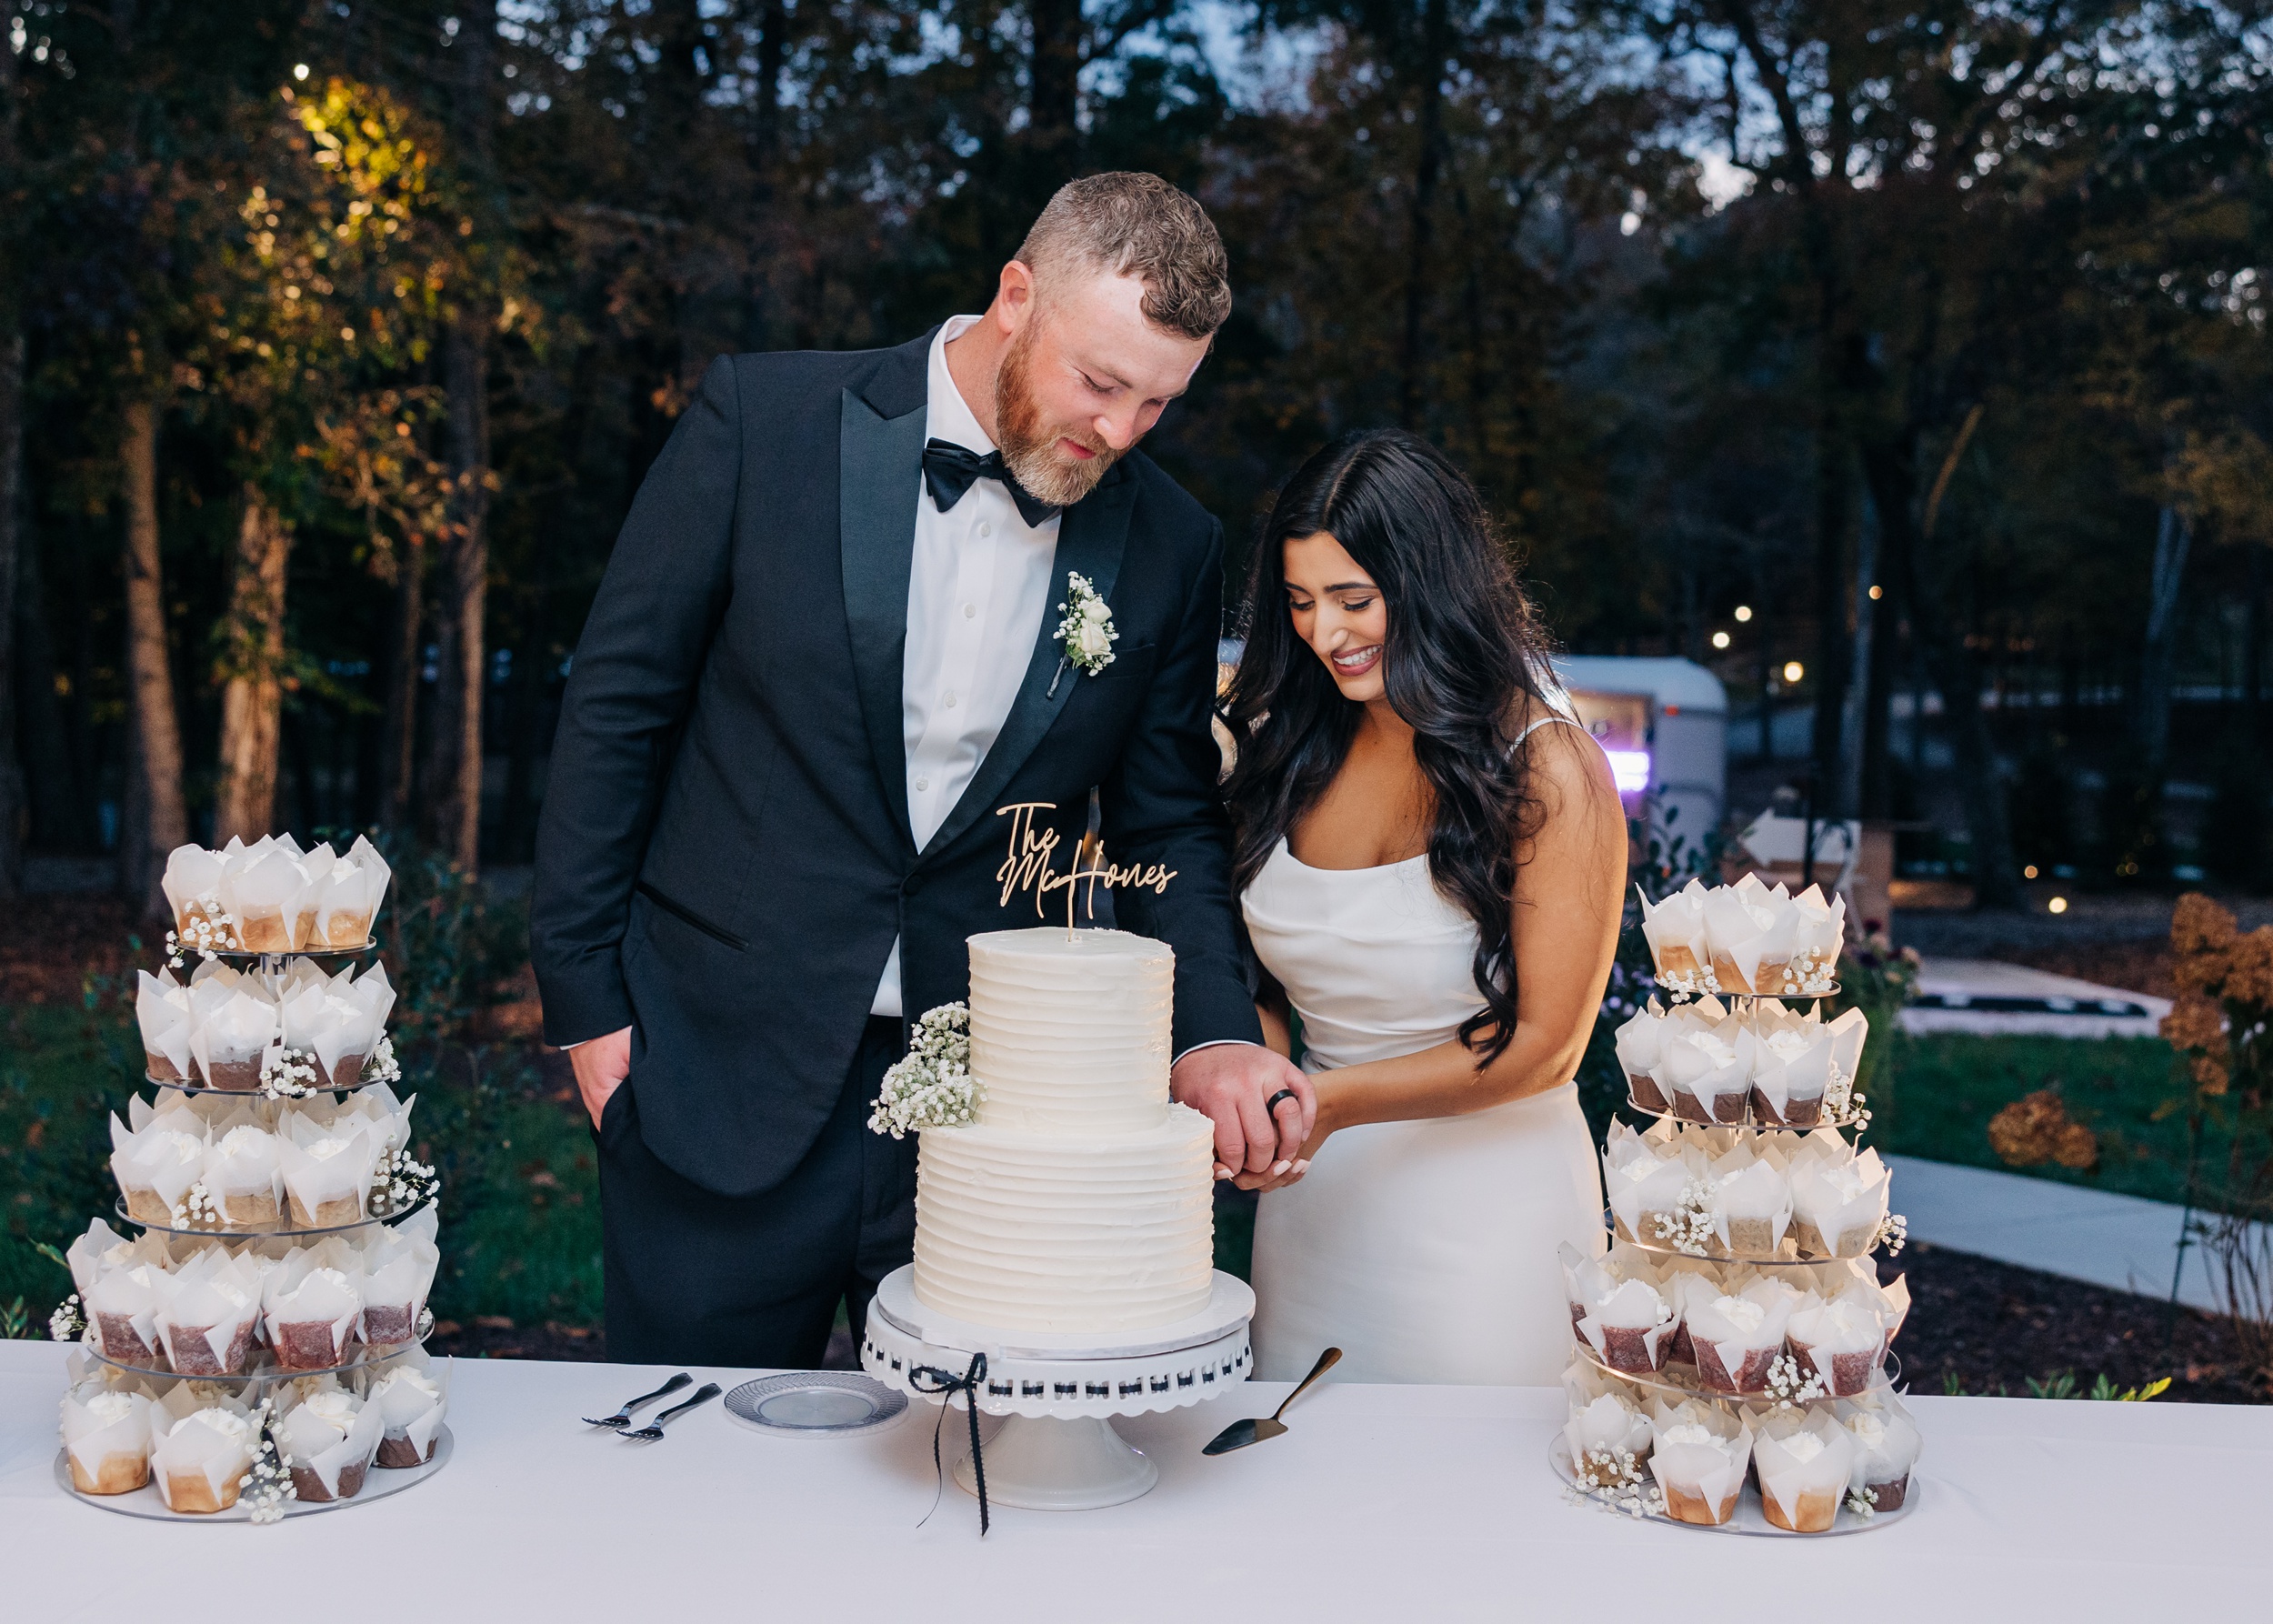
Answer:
(622, 1417)
(1253, 1430)
(653, 1431)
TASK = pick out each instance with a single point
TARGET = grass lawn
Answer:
(1935, 1096)
(520, 1231)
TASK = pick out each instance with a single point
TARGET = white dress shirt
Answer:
(978, 587)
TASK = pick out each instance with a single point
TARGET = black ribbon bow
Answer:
(950, 469)
(931, 1379)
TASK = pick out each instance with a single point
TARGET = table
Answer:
(1382, 1503)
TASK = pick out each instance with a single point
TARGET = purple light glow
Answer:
(1629, 769)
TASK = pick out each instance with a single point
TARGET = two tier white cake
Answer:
(1080, 1199)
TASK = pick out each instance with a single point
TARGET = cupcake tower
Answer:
(257, 1344)
(1730, 1367)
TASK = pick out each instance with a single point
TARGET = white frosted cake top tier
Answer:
(1069, 1029)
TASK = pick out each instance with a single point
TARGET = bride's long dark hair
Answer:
(1463, 655)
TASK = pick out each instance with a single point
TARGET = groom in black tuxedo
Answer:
(826, 651)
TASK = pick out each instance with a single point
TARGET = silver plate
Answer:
(147, 1502)
(1748, 1517)
(818, 1404)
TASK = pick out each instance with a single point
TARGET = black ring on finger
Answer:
(1270, 1106)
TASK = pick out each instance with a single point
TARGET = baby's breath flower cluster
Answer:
(1894, 1233)
(1809, 971)
(381, 1066)
(1862, 1501)
(67, 1323)
(932, 1086)
(289, 1073)
(1685, 1227)
(1689, 983)
(196, 1207)
(1842, 1106)
(1612, 1479)
(264, 1488)
(1788, 1387)
(400, 1182)
(205, 927)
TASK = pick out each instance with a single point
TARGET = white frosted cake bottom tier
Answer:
(1047, 1232)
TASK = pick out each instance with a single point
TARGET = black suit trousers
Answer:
(698, 1278)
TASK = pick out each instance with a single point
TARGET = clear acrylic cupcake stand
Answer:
(1748, 1518)
(1058, 1451)
(262, 1373)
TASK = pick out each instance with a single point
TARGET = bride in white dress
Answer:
(1432, 858)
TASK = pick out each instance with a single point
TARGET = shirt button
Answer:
(922, 785)
(950, 699)
(985, 529)
(970, 611)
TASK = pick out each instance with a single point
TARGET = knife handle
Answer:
(1327, 1361)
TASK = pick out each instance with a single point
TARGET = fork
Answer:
(653, 1431)
(622, 1417)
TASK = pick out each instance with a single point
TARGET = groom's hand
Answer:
(1231, 1082)
(601, 1065)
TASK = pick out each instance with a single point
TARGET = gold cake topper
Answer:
(1027, 866)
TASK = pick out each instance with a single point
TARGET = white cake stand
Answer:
(1058, 1451)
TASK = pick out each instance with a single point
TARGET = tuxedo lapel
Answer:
(880, 471)
(1091, 537)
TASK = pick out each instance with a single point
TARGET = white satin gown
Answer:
(1427, 1251)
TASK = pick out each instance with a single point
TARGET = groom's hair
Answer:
(1135, 224)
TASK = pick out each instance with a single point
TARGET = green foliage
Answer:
(2062, 1384)
(449, 944)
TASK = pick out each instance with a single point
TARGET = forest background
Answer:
(1907, 363)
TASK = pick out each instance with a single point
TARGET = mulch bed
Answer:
(49, 945)
(1995, 1328)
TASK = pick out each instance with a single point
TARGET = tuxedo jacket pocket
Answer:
(689, 917)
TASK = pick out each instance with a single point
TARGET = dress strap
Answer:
(1543, 721)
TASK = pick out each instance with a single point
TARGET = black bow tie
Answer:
(949, 469)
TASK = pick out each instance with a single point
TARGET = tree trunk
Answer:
(159, 822)
(454, 762)
(530, 666)
(56, 815)
(12, 808)
(252, 699)
(2173, 537)
(1053, 77)
(1847, 799)
(1430, 69)
(399, 731)
(1832, 606)
(11, 496)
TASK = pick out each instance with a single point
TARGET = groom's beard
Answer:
(1029, 446)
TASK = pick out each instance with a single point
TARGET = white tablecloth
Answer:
(1382, 1503)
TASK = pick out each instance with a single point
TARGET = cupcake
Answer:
(162, 1014)
(327, 1173)
(1623, 1314)
(1679, 945)
(1840, 1342)
(1737, 1336)
(157, 1161)
(399, 1267)
(1803, 1462)
(1838, 1206)
(208, 1314)
(106, 1437)
(329, 1436)
(1887, 1446)
(122, 1315)
(1644, 1174)
(232, 1037)
(1708, 1072)
(1698, 1452)
(314, 1312)
(1607, 1437)
(200, 1461)
(192, 884)
(241, 1176)
(1640, 1043)
(1749, 1205)
(348, 894)
(411, 1394)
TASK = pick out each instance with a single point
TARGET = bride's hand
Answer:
(1234, 1084)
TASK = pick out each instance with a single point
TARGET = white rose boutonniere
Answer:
(1087, 631)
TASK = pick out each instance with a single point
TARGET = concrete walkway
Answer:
(2118, 1242)
(1985, 996)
